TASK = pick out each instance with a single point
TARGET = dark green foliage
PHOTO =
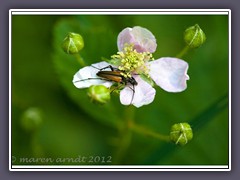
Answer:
(72, 126)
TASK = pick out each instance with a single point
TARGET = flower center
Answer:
(132, 61)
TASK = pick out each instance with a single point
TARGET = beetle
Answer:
(114, 75)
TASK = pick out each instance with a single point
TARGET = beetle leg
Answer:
(133, 90)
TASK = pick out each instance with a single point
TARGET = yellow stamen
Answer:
(133, 61)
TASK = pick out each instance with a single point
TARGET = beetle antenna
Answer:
(91, 79)
(96, 67)
(109, 66)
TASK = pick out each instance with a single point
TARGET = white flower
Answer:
(167, 72)
(143, 39)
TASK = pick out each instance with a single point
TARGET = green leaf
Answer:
(65, 131)
(196, 123)
(147, 79)
(115, 62)
(66, 65)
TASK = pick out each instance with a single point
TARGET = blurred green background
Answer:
(68, 125)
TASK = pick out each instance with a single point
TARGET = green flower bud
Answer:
(181, 133)
(194, 36)
(31, 119)
(73, 43)
(99, 94)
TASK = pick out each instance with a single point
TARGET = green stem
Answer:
(183, 52)
(125, 134)
(80, 60)
(129, 114)
(143, 130)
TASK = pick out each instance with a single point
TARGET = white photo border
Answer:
(118, 12)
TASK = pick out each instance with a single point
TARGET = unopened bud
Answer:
(31, 119)
(194, 36)
(181, 133)
(73, 43)
(99, 94)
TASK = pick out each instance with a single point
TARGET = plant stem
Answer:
(183, 52)
(125, 134)
(80, 60)
(143, 130)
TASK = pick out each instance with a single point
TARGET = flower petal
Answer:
(144, 93)
(124, 36)
(142, 38)
(169, 73)
(86, 76)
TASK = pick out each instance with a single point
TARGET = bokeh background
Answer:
(53, 119)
